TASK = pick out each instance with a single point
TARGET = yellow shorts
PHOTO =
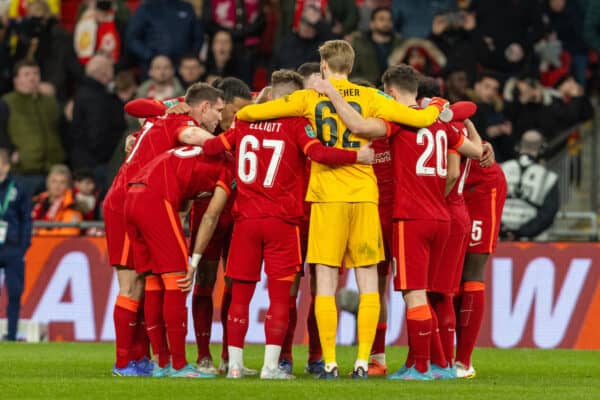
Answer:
(345, 232)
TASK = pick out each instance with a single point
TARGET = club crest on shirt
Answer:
(191, 123)
(310, 131)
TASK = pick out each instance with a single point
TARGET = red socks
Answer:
(444, 310)
(141, 343)
(202, 312)
(125, 319)
(286, 349)
(175, 314)
(237, 319)
(419, 326)
(153, 314)
(437, 351)
(315, 352)
(379, 342)
(225, 303)
(470, 318)
(277, 318)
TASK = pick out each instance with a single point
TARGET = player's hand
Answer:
(129, 141)
(443, 106)
(487, 158)
(365, 155)
(185, 284)
(319, 84)
(179, 108)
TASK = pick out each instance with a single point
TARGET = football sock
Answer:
(272, 353)
(378, 349)
(202, 313)
(125, 319)
(237, 319)
(225, 303)
(277, 318)
(437, 355)
(314, 342)
(368, 315)
(155, 323)
(326, 316)
(236, 356)
(470, 319)
(286, 348)
(418, 325)
(141, 343)
(444, 310)
(175, 314)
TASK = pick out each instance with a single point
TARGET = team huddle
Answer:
(324, 172)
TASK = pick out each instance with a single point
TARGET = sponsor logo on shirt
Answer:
(310, 131)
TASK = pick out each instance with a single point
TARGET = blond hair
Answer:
(60, 169)
(339, 55)
(287, 76)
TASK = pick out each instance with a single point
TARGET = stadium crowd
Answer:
(64, 110)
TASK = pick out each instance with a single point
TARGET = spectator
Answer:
(15, 238)
(413, 19)
(220, 61)
(301, 45)
(564, 19)
(167, 27)
(365, 11)
(591, 25)
(93, 136)
(375, 45)
(421, 54)
(456, 84)
(86, 194)
(489, 118)
(163, 84)
(236, 95)
(56, 204)
(33, 127)
(40, 37)
(19, 8)
(96, 31)
(245, 20)
(532, 199)
(191, 70)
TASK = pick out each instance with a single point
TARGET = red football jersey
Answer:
(270, 164)
(456, 194)
(420, 169)
(384, 171)
(483, 179)
(183, 172)
(156, 136)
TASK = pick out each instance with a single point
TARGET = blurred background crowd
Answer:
(67, 68)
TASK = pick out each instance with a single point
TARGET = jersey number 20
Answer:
(248, 161)
(437, 142)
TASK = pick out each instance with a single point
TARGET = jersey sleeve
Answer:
(385, 107)
(293, 105)
(145, 108)
(224, 142)
(455, 137)
(177, 124)
(225, 180)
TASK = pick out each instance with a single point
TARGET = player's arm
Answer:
(471, 146)
(217, 145)
(316, 151)
(293, 105)
(194, 135)
(488, 158)
(453, 167)
(393, 111)
(205, 231)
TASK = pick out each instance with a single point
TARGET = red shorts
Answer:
(417, 250)
(387, 227)
(219, 243)
(485, 210)
(271, 239)
(446, 279)
(154, 228)
(117, 240)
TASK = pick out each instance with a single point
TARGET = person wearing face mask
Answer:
(533, 196)
(377, 44)
(94, 136)
(39, 36)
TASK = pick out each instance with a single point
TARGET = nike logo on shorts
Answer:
(474, 244)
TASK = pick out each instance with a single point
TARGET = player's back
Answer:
(420, 170)
(482, 179)
(183, 172)
(271, 165)
(456, 194)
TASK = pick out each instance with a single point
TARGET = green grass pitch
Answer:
(82, 371)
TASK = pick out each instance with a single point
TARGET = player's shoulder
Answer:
(179, 119)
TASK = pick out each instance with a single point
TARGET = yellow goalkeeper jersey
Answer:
(347, 183)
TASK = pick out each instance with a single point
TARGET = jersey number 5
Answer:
(248, 160)
(439, 142)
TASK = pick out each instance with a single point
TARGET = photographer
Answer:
(532, 199)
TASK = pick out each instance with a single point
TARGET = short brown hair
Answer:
(24, 63)
(309, 68)
(402, 77)
(287, 76)
(199, 92)
(338, 54)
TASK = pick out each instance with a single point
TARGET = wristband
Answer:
(196, 257)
